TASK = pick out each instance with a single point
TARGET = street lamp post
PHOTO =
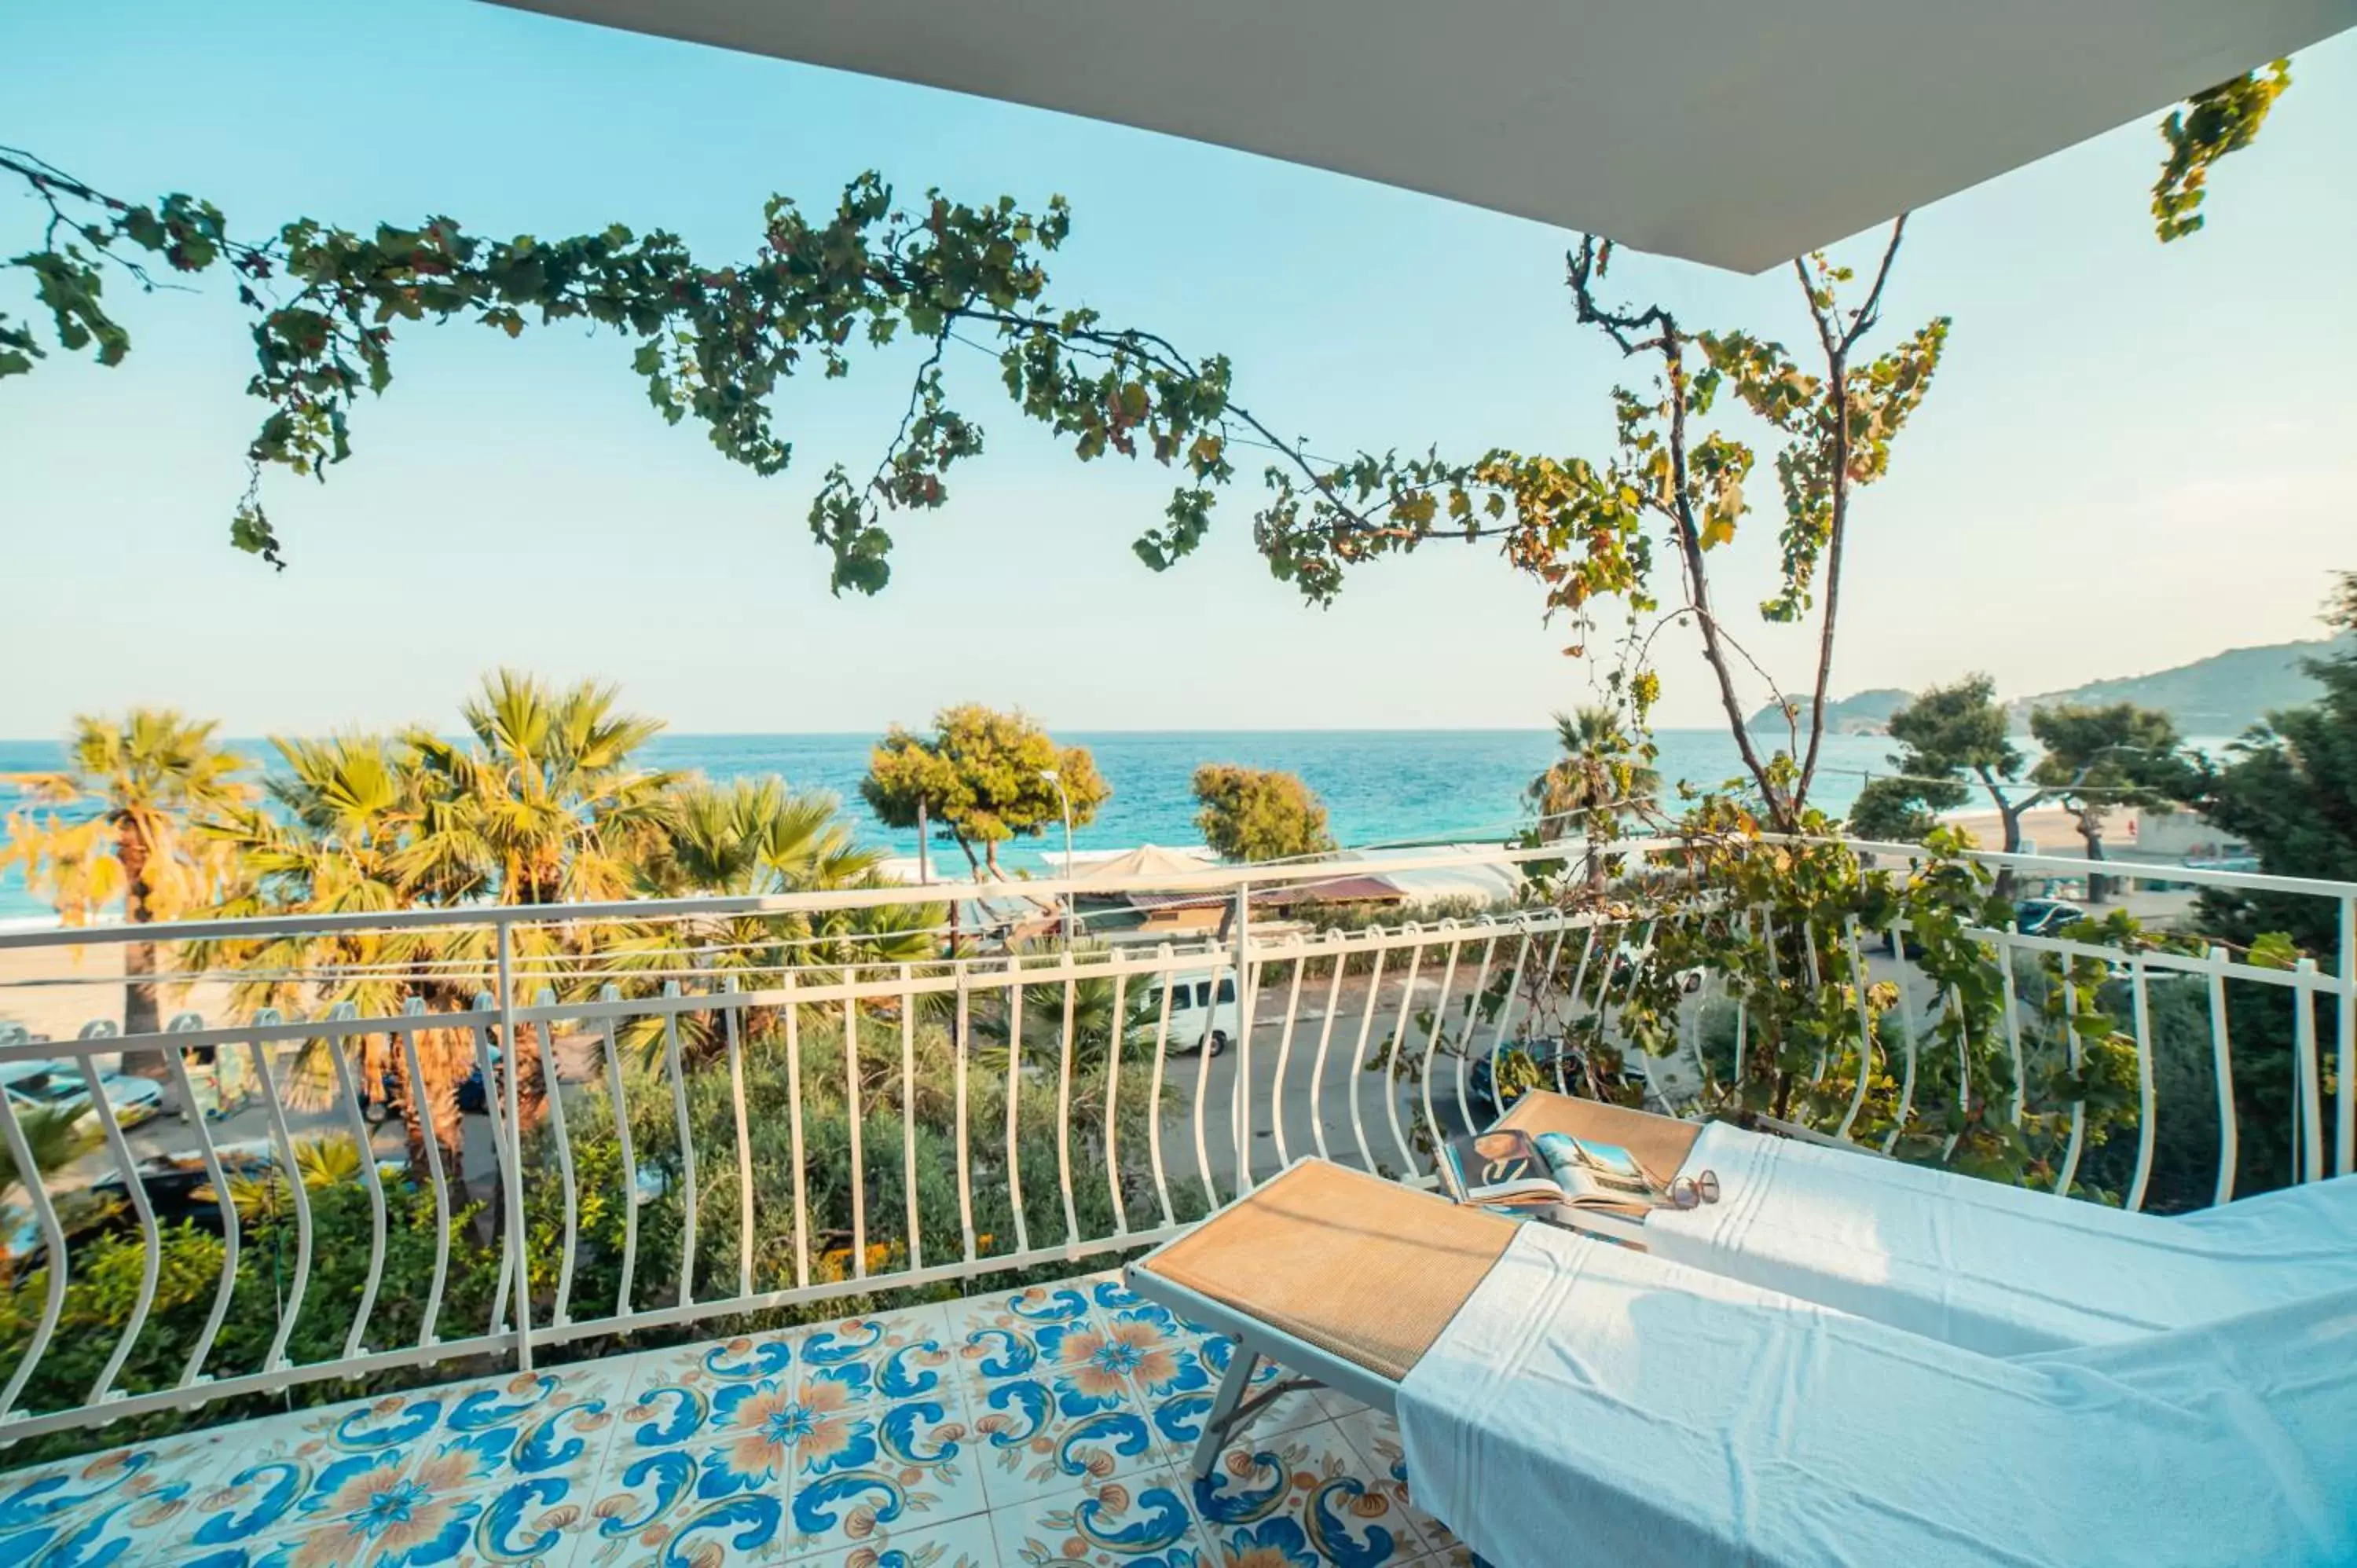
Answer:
(1052, 777)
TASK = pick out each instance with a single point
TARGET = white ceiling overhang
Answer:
(1737, 132)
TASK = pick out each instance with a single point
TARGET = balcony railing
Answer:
(730, 1107)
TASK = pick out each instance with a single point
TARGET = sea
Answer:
(1379, 787)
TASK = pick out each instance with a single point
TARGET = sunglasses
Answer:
(1694, 1191)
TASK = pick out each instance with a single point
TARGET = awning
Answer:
(1739, 133)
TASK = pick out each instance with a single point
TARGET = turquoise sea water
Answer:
(1380, 785)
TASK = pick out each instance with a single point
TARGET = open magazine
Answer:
(1508, 1169)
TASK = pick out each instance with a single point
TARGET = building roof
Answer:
(1329, 890)
(1683, 127)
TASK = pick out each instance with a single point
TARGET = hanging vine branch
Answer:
(714, 343)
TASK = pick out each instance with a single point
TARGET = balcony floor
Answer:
(1047, 1426)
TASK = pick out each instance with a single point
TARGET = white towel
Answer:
(1591, 1404)
(1990, 1267)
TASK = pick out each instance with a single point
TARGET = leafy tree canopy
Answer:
(2288, 789)
(1259, 813)
(1947, 736)
(980, 776)
(2208, 126)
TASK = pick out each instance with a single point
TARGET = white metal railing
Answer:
(692, 1141)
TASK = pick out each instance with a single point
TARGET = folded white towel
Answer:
(1989, 1267)
(1594, 1405)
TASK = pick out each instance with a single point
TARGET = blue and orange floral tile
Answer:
(1049, 1427)
(501, 1471)
(102, 1508)
(1139, 1520)
(1301, 1500)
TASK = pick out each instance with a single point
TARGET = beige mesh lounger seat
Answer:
(1341, 1275)
(1992, 1268)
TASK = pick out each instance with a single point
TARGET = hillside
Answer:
(2221, 695)
(1867, 712)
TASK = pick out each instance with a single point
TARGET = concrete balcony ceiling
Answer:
(1686, 127)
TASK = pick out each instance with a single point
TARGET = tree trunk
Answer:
(443, 1056)
(990, 851)
(2091, 829)
(413, 1105)
(140, 1013)
(530, 1066)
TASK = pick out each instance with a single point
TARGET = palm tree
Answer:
(544, 804)
(345, 809)
(129, 804)
(1598, 771)
(748, 838)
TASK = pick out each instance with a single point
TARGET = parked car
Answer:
(1200, 1020)
(61, 1085)
(2045, 916)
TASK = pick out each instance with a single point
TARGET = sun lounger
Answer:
(1561, 1399)
(1976, 1264)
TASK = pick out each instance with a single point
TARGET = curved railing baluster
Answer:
(552, 1090)
(1432, 1043)
(1338, 943)
(1358, 1062)
(1064, 1105)
(958, 1046)
(429, 1320)
(1505, 1020)
(283, 1142)
(2004, 949)
(357, 1125)
(1112, 1089)
(1284, 1051)
(794, 1135)
(176, 1062)
(729, 1022)
(610, 993)
(2222, 1057)
(1964, 1070)
(1162, 956)
(1907, 1036)
(689, 1197)
(2148, 1094)
(510, 1166)
(907, 1116)
(151, 1252)
(2069, 1174)
(1865, 1033)
(2308, 1160)
(1203, 1079)
(1391, 1058)
(1473, 1023)
(53, 1238)
(1014, 1099)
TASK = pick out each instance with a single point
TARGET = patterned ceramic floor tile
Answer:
(1303, 1499)
(100, 1507)
(960, 1544)
(1141, 1520)
(530, 1441)
(1033, 1428)
(1375, 1437)
(1052, 1390)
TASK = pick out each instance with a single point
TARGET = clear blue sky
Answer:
(2134, 456)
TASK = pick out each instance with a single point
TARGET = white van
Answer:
(1201, 1018)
